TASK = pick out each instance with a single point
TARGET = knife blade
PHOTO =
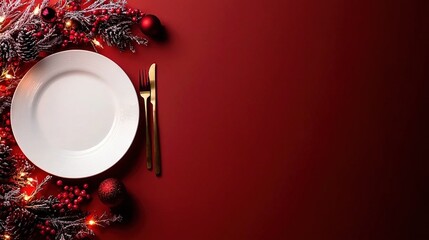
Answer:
(156, 151)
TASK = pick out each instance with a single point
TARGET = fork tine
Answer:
(145, 82)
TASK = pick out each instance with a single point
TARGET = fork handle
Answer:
(148, 142)
(156, 152)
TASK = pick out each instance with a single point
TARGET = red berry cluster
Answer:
(46, 229)
(6, 135)
(74, 6)
(103, 15)
(71, 197)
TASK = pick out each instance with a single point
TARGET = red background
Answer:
(282, 119)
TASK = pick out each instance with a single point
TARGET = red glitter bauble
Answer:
(48, 14)
(111, 192)
(150, 25)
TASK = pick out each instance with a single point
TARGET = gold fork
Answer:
(145, 94)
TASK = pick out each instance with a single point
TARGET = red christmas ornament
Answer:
(150, 25)
(48, 14)
(111, 192)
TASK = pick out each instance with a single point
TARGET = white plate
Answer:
(75, 114)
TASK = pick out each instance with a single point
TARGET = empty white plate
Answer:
(75, 114)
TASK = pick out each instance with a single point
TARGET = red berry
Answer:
(69, 206)
(59, 183)
(47, 229)
(75, 207)
(47, 223)
(85, 186)
(104, 11)
(76, 192)
(71, 195)
(67, 201)
(118, 11)
(53, 232)
(42, 232)
(66, 187)
(65, 195)
(79, 199)
(88, 196)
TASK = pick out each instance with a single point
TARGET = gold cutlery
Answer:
(145, 90)
(156, 153)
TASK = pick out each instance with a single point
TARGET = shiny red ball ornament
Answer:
(111, 192)
(48, 14)
(150, 25)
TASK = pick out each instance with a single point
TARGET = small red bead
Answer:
(59, 183)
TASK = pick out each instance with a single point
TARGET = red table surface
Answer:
(282, 119)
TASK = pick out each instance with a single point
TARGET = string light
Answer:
(91, 222)
(2, 18)
(26, 197)
(7, 75)
(68, 23)
(36, 10)
(6, 236)
(97, 43)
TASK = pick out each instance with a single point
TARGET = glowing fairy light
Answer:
(97, 43)
(26, 197)
(68, 23)
(36, 10)
(91, 222)
(8, 76)
(2, 18)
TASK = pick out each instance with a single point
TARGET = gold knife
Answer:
(156, 152)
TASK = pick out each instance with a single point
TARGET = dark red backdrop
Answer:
(283, 119)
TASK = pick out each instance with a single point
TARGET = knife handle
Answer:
(156, 152)
(148, 142)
